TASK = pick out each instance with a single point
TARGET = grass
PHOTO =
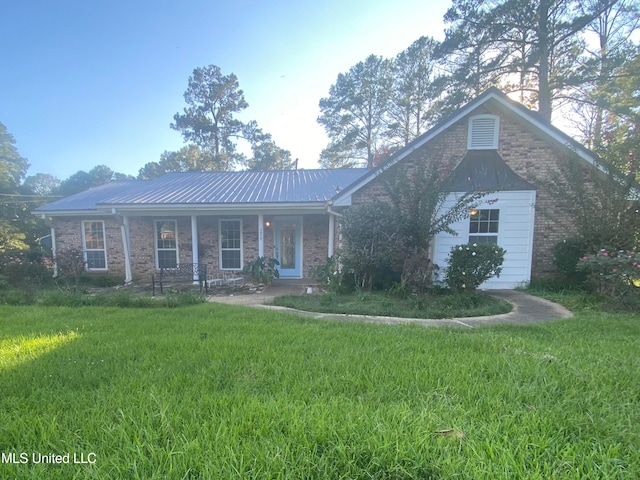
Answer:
(450, 305)
(217, 391)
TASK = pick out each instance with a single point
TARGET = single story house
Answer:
(226, 219)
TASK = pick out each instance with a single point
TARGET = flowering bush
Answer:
(471, 265)
(616, 274)
(24, 268)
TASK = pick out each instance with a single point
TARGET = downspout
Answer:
(332, 230)
(124, 228)
(124, 231)
(53, 245)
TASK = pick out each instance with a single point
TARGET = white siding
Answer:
(515, 235)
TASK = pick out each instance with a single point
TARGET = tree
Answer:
(209, 123)
(208, 120)
(189, 158)
(609, 62)
(468, 62)
(81, 180)
(41, 184)
(604, 204)
(371, 243)
(395, 232)
(619, 143)
(538, 42)
(613, 30)
(13, 168)
(353, 115)
(268, 156)
(412, 95)
(417, 193)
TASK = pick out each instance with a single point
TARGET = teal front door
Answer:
(289, 247)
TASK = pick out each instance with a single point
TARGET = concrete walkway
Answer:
(526, 309)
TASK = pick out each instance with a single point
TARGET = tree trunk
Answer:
(544, 47)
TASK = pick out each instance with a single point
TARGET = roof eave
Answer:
(210, 209)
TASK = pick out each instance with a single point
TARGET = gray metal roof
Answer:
(485, 170)
(88, 200)
(215, 188)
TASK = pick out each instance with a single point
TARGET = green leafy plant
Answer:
(567, 254)
(71, 264)
(262, 270)
(326, 272)
(333, 276)
(25, 268)
(470, 265)
(371, 242)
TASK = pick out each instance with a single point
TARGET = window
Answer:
(230, 244)
(483, 132)
(95, 253)
(483, 226)
(166, 243)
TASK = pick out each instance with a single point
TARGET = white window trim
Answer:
(85, 249)
(155, 241)
(220, 220)
(486, 234)
(488, 143)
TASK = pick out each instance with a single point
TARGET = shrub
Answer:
(371, 242)
(567, 254)
(71, 264)
(471, 265)
(24, 268)
(614, 274)
(262, 270)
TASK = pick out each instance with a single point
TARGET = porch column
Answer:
(261, 235)
(124, 228)
(332, 234)
(194, 245)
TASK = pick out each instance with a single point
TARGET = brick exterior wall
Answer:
(69, 237)
(315, 241)
(143, 257)
(527, 154)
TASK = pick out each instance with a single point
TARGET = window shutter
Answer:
(483, 132)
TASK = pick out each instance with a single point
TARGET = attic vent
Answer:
(483, 132)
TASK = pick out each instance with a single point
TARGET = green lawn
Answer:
(215, 391)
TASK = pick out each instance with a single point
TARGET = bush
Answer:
(24, 268)
(471, 265)
(371, 242)
(614, 274)
(567, 254)
(263, 270)
(331, 276)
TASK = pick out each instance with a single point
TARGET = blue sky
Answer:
(92, 82)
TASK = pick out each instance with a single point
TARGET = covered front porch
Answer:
(227, 242)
